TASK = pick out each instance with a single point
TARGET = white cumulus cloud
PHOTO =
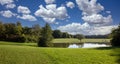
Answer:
(23, 9)
(7, 13)
(89, 6)
(86, 29)
(3, 2)
(70, 4)
(51, 12)
(97, 19)
(91, 12)
(49, 1)
(27, 17)
(25, 13)
(8, 3)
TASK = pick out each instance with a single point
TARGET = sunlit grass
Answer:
(73, 40)
(16, 53)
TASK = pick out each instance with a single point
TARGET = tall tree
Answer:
(116, 37)
(46, 37)
(19, 29)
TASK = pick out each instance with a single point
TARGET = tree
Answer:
(57, 34)
(46, 37)
(79, 36)
(36, 30)
(2, 31)
(65, 35)
(115, 41)
(19, 29)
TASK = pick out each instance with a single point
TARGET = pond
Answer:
(81, 45)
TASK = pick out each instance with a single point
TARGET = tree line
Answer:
(15, 32)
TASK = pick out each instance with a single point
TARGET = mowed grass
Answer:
(24, 54)
(73, 40)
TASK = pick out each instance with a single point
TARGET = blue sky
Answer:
(88, 17)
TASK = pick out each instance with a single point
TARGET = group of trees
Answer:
(15, 32)
(115, 35)
(59, 34)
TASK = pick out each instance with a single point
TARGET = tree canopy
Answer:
(115, 41)
(46, 37)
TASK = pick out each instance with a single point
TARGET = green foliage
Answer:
(65, 35)
(79, 36)
(18, 28)
(16, 33)
(116, 37)
(46, 37)
(25, 53)
(57, 34)
(32, 34)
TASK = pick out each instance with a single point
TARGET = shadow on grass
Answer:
(18, 44)
(116, 53)
(104, 48)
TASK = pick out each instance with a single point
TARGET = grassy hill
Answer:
(28, 53)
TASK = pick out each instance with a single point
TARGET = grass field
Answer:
(15, 53)
(72, 40)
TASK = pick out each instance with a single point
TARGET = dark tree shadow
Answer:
(117, 54)
(104, 48)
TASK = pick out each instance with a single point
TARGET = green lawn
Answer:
(73, 40)
(15, 53)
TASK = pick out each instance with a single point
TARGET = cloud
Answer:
(89, 7)
(51, 12)
(8, 3)
(97, 19)
(3, 2)
(91, 12)
(49, 1)
(10, 6)
(108, 12)
(7, 13)
(70, 4)
(86, 29)
(27, 17)
(23, 9)
(25, 13)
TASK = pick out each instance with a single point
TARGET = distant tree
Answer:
(19, 29)
(46, 37)
(27, 30)
(57, 34)
(79, 36)
(65, 35)
(36, 30)
(2, 31)
(115, 41)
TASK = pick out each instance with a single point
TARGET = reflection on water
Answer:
(87, 45)
(81, 45)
